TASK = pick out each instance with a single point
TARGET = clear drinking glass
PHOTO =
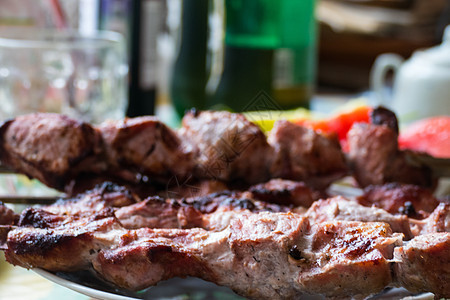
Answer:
(84, 77)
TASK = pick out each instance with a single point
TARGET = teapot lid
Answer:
(439, 55)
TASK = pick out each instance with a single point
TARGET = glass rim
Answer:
(53, 38)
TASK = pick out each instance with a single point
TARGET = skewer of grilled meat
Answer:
(259, 255)
(211, 145)
(56, 149)
(64, 219)
(156, 212)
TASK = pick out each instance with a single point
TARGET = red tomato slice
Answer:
(430, 135)
(340, 123)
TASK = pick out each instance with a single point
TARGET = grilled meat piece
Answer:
(188, 189)
(375, 158)
(339, 208)
(259, 255)
(285, 192)
(144, 146)
(302, 154)
(211, 212)
(396, 198)
(222, 146)
(223, 238)
(156, 212)
(438, 221)
(230, 148)
(50, 147)
(68, 247)
(423, 264)
(7, 216)
(383, 116)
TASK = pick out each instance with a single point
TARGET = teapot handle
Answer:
(382, 65)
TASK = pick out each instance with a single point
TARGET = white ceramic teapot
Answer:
(421, 86)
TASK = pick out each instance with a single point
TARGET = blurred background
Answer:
(173, 41)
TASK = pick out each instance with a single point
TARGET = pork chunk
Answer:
(229, 147)
(145, 146)
(304, 155)
(50, 147)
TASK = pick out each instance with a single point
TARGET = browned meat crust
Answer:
(144, 146)
(7, 216)
(233, 241)
(383, 116)
(220, 147)
(424, 264)
(304, 155)
(339, 208)
(411, 200)
(49, 147)
(285, 192)
(259, 255)
(230, 148)
(438, 221)
(375, 158)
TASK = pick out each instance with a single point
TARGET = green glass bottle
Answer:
(191, 72)
(270, 48)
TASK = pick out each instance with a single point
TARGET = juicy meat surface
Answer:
(424, 264)
(302, 154)
(411, 200)
(285, 192)
(339, 208)
(375, 158)
(230, 148)
(259, 255)
(49, 147)
(438, 221)
(155, 212)
(258, 249)
(145, 146)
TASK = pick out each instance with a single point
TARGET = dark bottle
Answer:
(270, 49)
(140, 21)
(191, 68)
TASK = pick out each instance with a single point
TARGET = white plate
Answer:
(189, 288)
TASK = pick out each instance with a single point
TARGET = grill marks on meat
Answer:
(64, 248)
(230, 148)
(339, 208)
(236, 242)
(375, 158)
(49, 147)
(351, 256)
(304, 155)
(146, 146)
(156, 212)
(251, 255)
